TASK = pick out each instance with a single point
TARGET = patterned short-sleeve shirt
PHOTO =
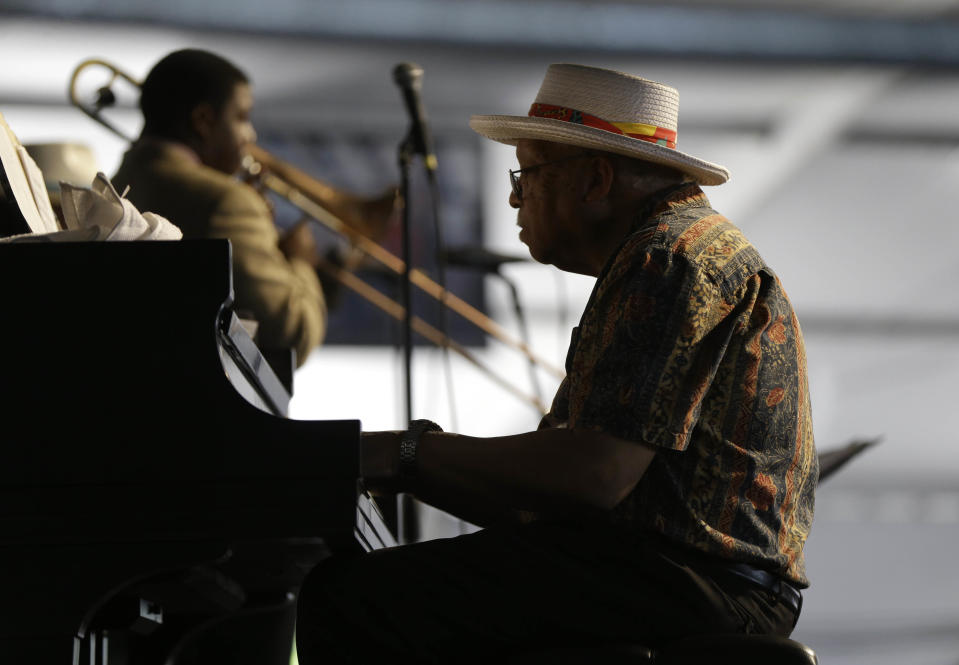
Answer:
(689, 344)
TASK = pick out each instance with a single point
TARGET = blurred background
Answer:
(838, 120)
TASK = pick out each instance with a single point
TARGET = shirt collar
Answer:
(680, 195)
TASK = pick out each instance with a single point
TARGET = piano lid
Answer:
(141, 438)
(114, 392)
(170, 294)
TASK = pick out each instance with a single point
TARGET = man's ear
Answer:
(600, 175)
(202, 119)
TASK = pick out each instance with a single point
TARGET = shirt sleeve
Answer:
(649, 346)
(283, 295)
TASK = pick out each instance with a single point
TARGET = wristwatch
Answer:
(408, 442)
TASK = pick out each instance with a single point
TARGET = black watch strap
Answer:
(408, 443)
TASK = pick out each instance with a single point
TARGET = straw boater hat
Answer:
(605, 110)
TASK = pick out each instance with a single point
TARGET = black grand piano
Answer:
(150, 483)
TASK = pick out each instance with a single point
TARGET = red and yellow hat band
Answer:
(636, 130)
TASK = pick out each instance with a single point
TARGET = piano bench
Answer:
(700, 650)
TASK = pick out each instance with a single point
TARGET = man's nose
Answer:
(514, 201)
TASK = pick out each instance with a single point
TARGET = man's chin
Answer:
(538, 256)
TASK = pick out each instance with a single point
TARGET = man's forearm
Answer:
(552, 471)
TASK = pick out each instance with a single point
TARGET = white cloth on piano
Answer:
(98, 212)
(103, 213)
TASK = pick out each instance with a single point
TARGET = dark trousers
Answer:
(500, 591)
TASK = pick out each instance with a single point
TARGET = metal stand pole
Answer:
(405, 512)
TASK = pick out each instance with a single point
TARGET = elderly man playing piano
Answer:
(669, 490)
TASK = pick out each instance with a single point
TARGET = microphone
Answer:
(409, 77)
(479, 258)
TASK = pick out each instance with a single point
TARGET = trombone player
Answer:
(197, 130)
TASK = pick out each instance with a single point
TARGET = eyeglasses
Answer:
(514, 173)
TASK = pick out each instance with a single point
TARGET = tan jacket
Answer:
(283, 295)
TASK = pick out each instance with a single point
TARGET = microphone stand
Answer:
(406, 152)
(408, 76)
(406, 526)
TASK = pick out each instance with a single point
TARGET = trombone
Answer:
(317, 201)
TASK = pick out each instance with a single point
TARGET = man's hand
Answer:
(380, 460)
(299, 243)
(375, 216)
